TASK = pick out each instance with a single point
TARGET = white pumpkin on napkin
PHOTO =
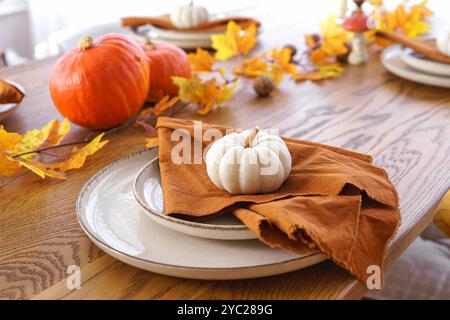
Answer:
(189, 16)
(249, 162)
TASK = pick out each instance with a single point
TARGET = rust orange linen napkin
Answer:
(334, 200)
(163, 22)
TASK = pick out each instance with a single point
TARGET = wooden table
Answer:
(405, 126)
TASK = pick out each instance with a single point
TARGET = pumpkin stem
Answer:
(250, 137)
(149, 45)
(85, 43)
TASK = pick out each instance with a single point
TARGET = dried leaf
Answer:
(41, 169)
(252, 67)
(334, 37)
(151, 142)
(409, 20)
(201, 61)
(78, 156)
(208, 94)
(8, 142)
(325, 71)
(50, 135)
(235, 41)
(282, 58)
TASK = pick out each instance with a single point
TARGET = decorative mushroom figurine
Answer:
(189, 16)
(443, 41)
(249, 162)
(357, 23)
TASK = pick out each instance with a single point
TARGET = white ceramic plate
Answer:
(184, 44)
(110, 216)
(148, 193)
(423, 64)
(391, 59)
(7, 109)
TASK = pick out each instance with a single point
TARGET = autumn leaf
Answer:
(282, 58)
(207, 94)
(41, 169)
(252, 67)
(322, 72)
(78, 156)
(334, 37)
(162, 105)
(50, 135)
(151, 142)
(408, 20)
(201, 61)
(235, 41)
(8, 142)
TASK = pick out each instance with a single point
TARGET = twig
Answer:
(88, 139)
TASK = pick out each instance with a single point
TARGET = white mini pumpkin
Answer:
(189, 16)
(249, 162)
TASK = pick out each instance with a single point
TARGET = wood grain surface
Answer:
(405, 126)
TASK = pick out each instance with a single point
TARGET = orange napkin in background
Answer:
(334, 200)
(163, 22)
(9, 93)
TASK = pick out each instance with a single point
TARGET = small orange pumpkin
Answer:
(102, 83)
(166, 61)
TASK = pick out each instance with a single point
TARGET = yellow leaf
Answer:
(151, 142)
(442, 215)
(201, 61)
(282, 58)
(252, 67)
(234, 42)
(165, 103)
(8, 142)
(41, 169)
(325, 71)
(50, 135)
(207, 94)
(334, 37)
(78, 156)
(407, 20)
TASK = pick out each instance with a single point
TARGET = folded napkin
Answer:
(163, 22)
(9, 93)
(334, 200)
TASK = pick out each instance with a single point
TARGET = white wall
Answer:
(14, 27)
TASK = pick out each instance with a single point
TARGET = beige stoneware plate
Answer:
(109, 214)
(393, 62)
(148, 193)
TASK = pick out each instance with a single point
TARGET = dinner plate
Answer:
(391, 59)
(184, 44)
(7, 109)
(114, 221)
(148, 193)
(423, 64)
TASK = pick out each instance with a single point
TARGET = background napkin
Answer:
(334, 200)
(163, 22)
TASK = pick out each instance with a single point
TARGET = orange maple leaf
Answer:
(8, 143)
(207, 94)
(201, 61)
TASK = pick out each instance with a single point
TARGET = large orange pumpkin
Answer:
(166, 61)
(102, 83)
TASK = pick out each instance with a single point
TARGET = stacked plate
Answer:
(185, 40)
(406, 63)
(121, 209)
